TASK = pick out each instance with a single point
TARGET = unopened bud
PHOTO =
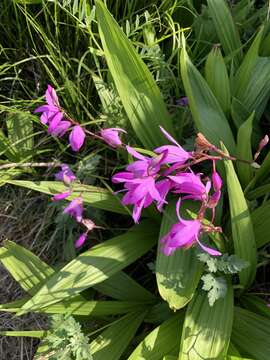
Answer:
(262, 144)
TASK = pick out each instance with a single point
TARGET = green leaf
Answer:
(251, 85)
(216, 287)
(217, 78)
(165, 339)
(95, 196)
(26, 268)
(32, 333)
(227, 32)
(206, 111)
(256, 304)
(95, 266)
(244, 151)
(207, 330)
(137, 89)
(122, 287)
(242, 227)
(178, 274)
(158, 313)
(31, 272)
(250, 333)
(260, 220)
(112, 342)
(78, 306)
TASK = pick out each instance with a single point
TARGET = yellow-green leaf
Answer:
(178, 274)
(136, 87)
(165, 339)
(207, 330)
(242, 227)
(206, 111)
(95, 266)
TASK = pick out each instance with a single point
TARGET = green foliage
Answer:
(66, 340)
(227, 264)
(216, 287)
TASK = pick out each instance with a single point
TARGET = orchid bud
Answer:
(217, 181)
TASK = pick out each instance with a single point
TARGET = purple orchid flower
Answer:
(81, 240)
(217, 181)
(66, 175)
(191, 184)
(76, 138)
(75, 209)
(52, 114)
(61, 196)
(175, 153)
(184, 234)
(140, 182)
(111, 136)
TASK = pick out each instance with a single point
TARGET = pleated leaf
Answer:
(242, 227)
(207, 329)
(112, 342)
(178, 274)
(25, 267)
(95, 196)
(122, 287)
(217, 78)
(256, 304)
(206, 111)
(251, 333)
(78, 306)
(244, 151)
(136, 87)
(260, 219)
(251, 85)
(226, 30)
(31, 272)
(95, 266)
(165, 339)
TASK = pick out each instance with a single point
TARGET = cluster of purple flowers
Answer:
(75, 208)
(59, 123)
(149, 180)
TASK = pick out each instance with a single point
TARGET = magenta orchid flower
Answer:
(81, 240)
(61, 196)
(140, 182)
(76, 138)
(190, 184)
(66, 175)
(111, 136)
(75, 209)
(184, 234)
(52, 114)
(217, 181)
(175, 153)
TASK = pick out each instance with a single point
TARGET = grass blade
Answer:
(225, 27)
